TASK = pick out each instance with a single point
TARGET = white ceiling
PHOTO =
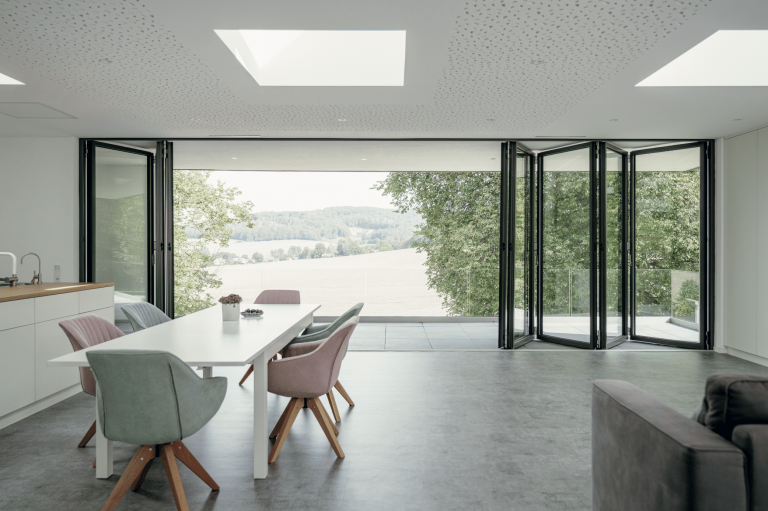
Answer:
(495, 69)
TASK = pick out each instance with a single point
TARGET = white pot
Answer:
(230, 311)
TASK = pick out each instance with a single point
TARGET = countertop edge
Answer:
(10, 294)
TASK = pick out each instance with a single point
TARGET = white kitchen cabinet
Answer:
(30, 336)
(17, 375)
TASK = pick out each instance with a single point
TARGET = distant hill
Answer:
(337, 222)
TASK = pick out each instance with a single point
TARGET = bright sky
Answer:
(305, 191)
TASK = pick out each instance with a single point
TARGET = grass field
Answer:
(389, 283)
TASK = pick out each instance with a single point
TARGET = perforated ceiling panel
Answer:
(513, 66)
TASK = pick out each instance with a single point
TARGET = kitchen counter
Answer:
(8, 294)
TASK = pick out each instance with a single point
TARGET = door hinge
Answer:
(707, 341)
(162, 246)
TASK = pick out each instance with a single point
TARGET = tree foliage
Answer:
(459, 233)
(209, 211)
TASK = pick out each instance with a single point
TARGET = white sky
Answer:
(305, 191)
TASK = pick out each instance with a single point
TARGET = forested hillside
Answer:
(380, 225)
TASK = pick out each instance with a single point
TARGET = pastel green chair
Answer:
(154, 400)
(144, 315)
(314, 333)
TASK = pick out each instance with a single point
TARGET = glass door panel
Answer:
(120, 244)
(615, 245)
(667, 244)
(522, 246)
(566, 237)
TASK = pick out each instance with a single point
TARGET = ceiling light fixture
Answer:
(7, 80)
(364, 159)
(342, 120)
(234, 158)
(320, 58)
(727, 58)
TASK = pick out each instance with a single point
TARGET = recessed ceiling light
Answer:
(364, 159)
(345, 58)
(727, 58)
(7, 80)
(234, 158)
(342, 120)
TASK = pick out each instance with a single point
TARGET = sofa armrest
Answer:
(646, 456)
(753, 440)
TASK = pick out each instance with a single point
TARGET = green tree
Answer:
(383, 246)
(459, 233)
(209, 211)
(305, 254)
(318, 252)
(294, 251)
(259, 258)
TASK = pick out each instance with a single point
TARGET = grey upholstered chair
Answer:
(318, 333)
(82, 333)
(144, 315)
(274, 296)
(306, 372)
(154, 400)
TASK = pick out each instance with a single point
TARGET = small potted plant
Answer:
(230, 307)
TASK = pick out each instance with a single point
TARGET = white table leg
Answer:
(260, 431)
(103, 453)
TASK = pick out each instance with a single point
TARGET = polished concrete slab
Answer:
(437, 430)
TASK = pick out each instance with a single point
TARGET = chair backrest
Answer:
(151, 397)
(85, 332)
(278, 296)
(144, 315)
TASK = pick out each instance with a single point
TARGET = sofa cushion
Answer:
(734, 399)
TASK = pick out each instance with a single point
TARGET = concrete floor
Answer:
(480, 430)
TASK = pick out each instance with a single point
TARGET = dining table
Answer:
(204, 340)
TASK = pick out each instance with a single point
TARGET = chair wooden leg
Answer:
(325, 423)
(295, 406)
(247, 374)
(182, 453)
(140, 480)
(142, 457)
(281, 421)
(334, 408)
(327, 417)
(88, 436)
(343, 393)
(94, 462)
(172, 471)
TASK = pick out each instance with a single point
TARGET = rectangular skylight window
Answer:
(727, 58)
(321, 58)
(7, 80)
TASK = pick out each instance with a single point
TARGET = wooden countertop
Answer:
(8, 294)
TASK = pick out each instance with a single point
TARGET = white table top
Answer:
(204, 339)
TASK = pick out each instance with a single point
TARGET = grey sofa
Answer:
(648, 457)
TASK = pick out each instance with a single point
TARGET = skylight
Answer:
(727, 58)
(305, 58)
(7, 80)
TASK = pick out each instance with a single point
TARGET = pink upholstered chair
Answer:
(82, 333)
(274, 296)
(307, 372)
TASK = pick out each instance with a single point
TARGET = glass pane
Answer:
(522, 248)
(408, 228)
(121, 232)
(566, 251)
(613, 249)
(667, 188)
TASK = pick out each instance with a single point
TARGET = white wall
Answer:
(39, 205)
(744, 235)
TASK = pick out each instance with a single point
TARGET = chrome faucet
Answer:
(13, 279)
(35, 275)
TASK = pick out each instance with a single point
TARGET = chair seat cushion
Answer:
(734, 399)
